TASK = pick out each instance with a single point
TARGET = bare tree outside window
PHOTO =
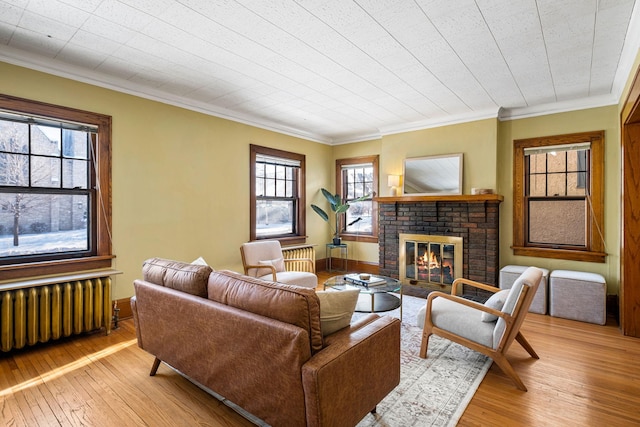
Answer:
(14, 142)
(35, 211)
(55, 189)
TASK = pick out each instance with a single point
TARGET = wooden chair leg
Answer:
(425, 344)
(154, 368)
(525, 344)
(506, 367)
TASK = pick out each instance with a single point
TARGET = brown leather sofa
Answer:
(259, 344)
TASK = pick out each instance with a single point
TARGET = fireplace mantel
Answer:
(442, 198)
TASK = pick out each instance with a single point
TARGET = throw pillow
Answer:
(496, 301)
(336, 309)
(199, 261)
(278, 263)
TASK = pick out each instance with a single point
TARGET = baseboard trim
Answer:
(352, 265)
(124, 305)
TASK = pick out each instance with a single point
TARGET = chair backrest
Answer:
(517, 305)
(262, 252)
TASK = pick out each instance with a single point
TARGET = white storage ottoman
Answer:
(578, 295)
(510, 273)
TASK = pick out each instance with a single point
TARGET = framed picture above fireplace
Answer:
(433, 175)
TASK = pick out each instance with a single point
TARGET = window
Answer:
(55, 185)
(277, 195)
(558, 197)
(357, 177)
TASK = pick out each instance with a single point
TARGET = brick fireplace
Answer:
(474, 218)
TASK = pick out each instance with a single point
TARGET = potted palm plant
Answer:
(338, 208)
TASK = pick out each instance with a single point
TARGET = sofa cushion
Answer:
(182, 276)
(291, 304)
(461, 320)
(336, 309)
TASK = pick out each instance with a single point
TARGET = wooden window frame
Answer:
(594, 251)
(360, 237)
(101, 213)
(299, 236)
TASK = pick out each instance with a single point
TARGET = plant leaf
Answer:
(320, 212)
(333, 199)
(327, 195)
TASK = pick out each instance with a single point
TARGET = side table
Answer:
(344, 255)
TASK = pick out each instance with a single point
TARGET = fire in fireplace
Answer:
(427, 261)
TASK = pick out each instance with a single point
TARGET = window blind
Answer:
(278, 161)
(557, 148)
(43, 121)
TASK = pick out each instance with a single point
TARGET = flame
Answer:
(431, 261)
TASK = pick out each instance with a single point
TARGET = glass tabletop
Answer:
(351, 281)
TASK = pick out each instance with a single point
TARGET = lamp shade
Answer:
(393, 180)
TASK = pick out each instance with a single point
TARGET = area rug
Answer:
(433, 391)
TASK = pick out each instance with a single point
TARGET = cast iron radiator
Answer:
(30, 313)
(304, 251)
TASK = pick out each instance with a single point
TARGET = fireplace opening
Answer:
(428, 261)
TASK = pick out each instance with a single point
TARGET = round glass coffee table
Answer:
(374, 298)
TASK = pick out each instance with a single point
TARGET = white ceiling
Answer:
(336, 71)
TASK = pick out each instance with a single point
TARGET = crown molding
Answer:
(360, 137)
(473, 116)
(57, 68)
(629, 53)
(557, 107)
(60, 69)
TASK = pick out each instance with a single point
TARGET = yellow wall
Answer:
(488, 153)
(476, 140)
(603, 118)
(180, 178)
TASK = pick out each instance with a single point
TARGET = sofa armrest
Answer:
(348, 378)
(136, 321)
(337, 336)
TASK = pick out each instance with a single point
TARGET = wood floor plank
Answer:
(584, 377)
(587, 375)
(64, 400)
(11, 413)
(25, 400)
(42, 364)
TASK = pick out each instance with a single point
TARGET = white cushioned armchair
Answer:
(264, 259)
(488, 328)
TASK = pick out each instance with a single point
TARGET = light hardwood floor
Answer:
(587, 375)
